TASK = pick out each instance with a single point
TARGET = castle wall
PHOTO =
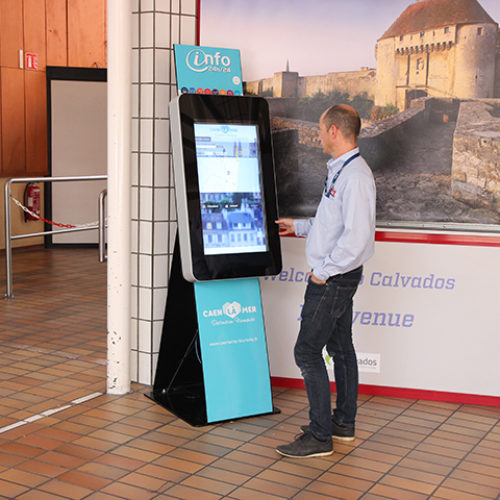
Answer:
(496, 91)
(475, 61)
(387, 72)
(259, 86)
(352, 82)
(310, 85)
(441, 77)
(475, 176)
(285, 84)
(290, 84)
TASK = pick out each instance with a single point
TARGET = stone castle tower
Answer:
(440, 48)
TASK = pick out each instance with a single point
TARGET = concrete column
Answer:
(119, 150)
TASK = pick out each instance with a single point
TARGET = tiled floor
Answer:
(57, 444)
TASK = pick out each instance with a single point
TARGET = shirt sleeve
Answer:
(302, 226)
(358, 213)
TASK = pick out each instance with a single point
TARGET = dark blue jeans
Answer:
(327, 321)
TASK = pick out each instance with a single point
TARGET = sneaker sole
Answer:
(337, 438)
(343, 438)
(319, 454)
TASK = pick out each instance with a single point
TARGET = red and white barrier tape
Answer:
(52, 223)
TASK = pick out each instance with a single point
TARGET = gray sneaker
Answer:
(339, 432)
(306, 445)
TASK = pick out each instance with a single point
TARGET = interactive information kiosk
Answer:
(213, 362)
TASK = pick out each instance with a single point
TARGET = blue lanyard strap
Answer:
(336, 176)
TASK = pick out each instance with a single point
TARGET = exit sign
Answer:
(31, 60)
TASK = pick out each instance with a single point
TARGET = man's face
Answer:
(325, 137)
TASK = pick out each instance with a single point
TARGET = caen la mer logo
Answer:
(231, 309)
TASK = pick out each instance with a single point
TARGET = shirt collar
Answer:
(334, 163)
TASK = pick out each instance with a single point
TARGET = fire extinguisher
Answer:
(32, 201)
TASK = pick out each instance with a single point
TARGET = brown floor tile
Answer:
(217, 487)
(365, 464)
(95, 444)
(42, 468)
(356, 472)
(335, 491)
(83, 479)
(284, 478)
(238, 467)
(24, 450)
(127, 491)
(37, 441)
(474, 478)
(40, 495)
(426, 477)
(11, 490)
(223, 475)
(396, 493)
(193, 456)
(142, 481)
(79, 451)
(178, 464)
(163, 473)
(270, 487)
(472, 488)
(188, 493)
(60, 488)
(449, 494)
(407, 484)
(21, 477)
(129, 464)
(103, 471)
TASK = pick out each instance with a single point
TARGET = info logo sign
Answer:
(208, 70)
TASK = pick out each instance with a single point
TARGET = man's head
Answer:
(339, 128)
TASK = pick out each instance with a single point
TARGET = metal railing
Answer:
(8, 229)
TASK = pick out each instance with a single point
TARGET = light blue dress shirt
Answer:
(341, 237)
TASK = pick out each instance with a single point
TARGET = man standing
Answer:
(340, 239)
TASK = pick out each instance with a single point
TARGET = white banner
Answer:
(425, 316)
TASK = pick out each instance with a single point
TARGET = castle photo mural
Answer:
(423, 75)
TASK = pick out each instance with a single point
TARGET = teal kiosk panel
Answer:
(233, 349)
(213, 363)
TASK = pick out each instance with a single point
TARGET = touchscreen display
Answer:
(230, 184)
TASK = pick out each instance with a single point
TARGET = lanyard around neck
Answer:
(330, 190)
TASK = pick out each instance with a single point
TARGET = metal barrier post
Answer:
(8, 244)
(102, 225)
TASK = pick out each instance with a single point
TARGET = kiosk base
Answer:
(189, 406)
(181, 378)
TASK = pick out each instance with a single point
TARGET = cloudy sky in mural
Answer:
(314, 36)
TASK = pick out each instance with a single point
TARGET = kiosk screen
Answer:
(230, 183)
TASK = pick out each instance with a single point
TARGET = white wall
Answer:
(443, 302)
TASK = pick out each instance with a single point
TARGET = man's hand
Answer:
(286, 226)
(316, 280)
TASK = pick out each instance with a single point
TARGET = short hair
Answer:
(345, 118)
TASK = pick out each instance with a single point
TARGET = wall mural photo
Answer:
(424, 76)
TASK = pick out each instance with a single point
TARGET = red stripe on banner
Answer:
(433, 239)
(399, 392)
(438, 239)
